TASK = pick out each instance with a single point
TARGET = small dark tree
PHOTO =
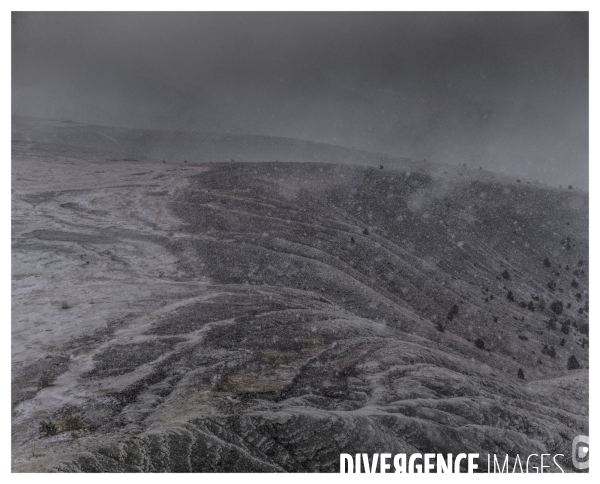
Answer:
(562, 342)
(47, 429)
(531, 306)
(440, 327)
(479, 343)
(366, 231)
(510, 296)
(551, 324)
(520, 374)
(578, 296)
(572, 363)
(551, 352)
(564, 328)
(585, 328)
(574, 283)
(452, 312)
(551, 285)
(547, 262)
(523, 304)
(351, 240)
(506, 274)
(568, 245)
(556, 307)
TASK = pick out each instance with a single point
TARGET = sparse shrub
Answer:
(542, 304)
(65, 305)
(506, 274)
(440, 327)
(551, 352)
(44, 381)
(578, 296)
(551, 324)
(572, 363)
(351, 240)
(495, 318)
(551, 285)
(510, 296)
(531, 306)
(366, 231)
(557, 307)
(523, 304)
(574, 283)
(47, 429)
(523, 337)
(479, 343)
(71, 422)
(520, 374)
(564, 328)
(562, 342)
(585, 329)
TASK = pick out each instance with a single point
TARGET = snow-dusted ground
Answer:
(268, 316)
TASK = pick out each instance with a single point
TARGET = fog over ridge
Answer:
(505, 91)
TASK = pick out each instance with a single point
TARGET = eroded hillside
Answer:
(269, 316)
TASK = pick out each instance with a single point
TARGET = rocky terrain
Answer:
(268, 316)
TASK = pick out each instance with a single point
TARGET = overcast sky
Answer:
(506, 91)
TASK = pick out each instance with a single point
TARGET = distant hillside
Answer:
(177, 146)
